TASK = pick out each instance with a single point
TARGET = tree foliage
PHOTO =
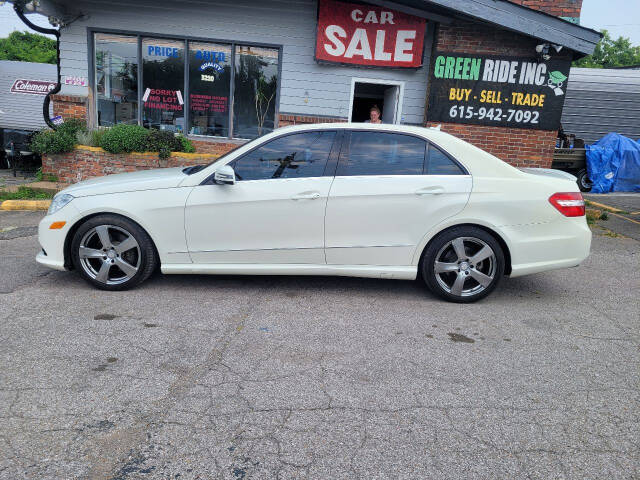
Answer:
(611, 53)
(28, 47)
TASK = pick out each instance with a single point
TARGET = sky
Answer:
(620, 17)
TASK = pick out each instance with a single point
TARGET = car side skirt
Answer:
(408, 272)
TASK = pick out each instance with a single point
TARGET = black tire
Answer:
(142, 256)
(584, 182)
(489, 270)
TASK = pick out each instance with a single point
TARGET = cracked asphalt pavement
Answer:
(198, 377)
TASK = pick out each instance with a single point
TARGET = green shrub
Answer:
(96, 137)
(91, 138)
(53, 141)
(72, 126)
(124, 138)
(163, 142)
(187, 146)
(84, 138)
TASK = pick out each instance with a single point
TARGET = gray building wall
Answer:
(18, 110)
(601, 101)
(306, 88)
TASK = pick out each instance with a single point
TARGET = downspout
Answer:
(18, 7)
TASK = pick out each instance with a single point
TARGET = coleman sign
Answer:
(499, 91)
(368, 35)
(32, 87)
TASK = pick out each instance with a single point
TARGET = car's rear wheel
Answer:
(463, 264)
(113, 253)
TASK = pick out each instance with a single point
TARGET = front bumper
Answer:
(43, 259)
(52, 241)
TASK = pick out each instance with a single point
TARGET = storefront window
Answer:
(116, 78)
(209, 88)
(163, 84)
(255, 87)
(231, 90)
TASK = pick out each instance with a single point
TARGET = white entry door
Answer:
(275, 211)
(391, 95)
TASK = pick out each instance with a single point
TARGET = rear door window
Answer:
(439, 163)
(381, 153)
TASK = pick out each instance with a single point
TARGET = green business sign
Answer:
(500, 91)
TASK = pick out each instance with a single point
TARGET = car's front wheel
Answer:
(463, 264)
(113, 253)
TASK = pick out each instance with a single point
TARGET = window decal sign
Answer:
(211, 55)
(208, 103)
(213, 68)
(32, 87)
(518, 92)
(76, 81)
(158, 51)
(160, 99)
(368, 35)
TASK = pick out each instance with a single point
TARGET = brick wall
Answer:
(214, 146)
(559, 8)
(69, 106)
(518, 146)
(87, 162)
(286, 119)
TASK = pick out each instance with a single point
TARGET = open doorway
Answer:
(387, 96)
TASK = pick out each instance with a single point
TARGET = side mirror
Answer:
(225, 175)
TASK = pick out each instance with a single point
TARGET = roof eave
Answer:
(527, 21)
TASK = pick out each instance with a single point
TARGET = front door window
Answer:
(292, 156)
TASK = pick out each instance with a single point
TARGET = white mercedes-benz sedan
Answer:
(384, 201)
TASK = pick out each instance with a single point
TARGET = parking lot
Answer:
(199, 377)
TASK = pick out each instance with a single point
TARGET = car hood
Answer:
(128, 182)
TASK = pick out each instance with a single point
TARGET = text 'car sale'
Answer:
(372, 36)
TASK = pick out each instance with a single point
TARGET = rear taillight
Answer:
(570, 204)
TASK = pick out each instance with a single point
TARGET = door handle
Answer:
(435, 190)
(306, 196)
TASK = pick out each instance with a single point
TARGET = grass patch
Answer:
(593, 215)
(45, 177)
(25, 193)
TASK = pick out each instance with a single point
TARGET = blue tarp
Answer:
(613, 163)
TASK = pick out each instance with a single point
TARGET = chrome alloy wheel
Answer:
(109, 254)
(465, 266)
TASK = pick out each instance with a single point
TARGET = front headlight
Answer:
(58, 202)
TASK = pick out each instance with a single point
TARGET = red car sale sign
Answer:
(368, 35)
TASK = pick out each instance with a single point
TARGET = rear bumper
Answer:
(541, 247)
